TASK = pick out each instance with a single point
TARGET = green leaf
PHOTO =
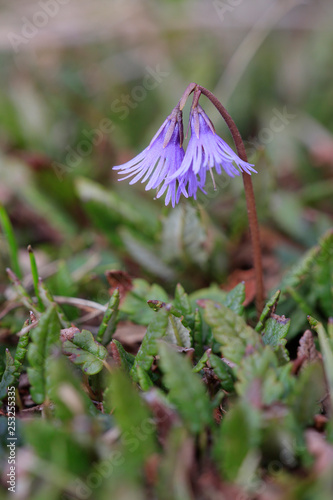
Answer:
(214, 292)
(122, 358)
(186, 391)
(268, 309)
(330, 329)
(183, 304)
(8, 231)
(309, 389)
(324, 273)
(8, 377)
(144, 380)
(59, 446)
(149, 348)
(66, 392)
(181, 301)
(327, 351)
(223, 372)
(275, 331)
(135, 303)
(237, 439)
(109, 322)
(235, 298)
(294, 277)
(259, 374)
(132, 416)
(34, 273)
(201, 363)
(21, 351)
(85, 352)
(45, 337)
(173, 482)
(230, 330)
(176, 333)
(198, 334)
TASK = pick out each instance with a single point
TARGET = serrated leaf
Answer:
(214, 292)
(8, 377)
(201, 363)
(230, 330)
(198, 334)
(85, 352)
(176, 333)
(181, 301)
(275, 331)
(223, 372)
(235, 298)
(144, 380)
(21, 350)
(44, 338)
(237, 438)
(149, 348)
(109, 321)
(259, 373)
(122, 358)
(186, 391)
(183, 304)
(294, 276)
(269, 308)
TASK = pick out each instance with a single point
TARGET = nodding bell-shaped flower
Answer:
(205, 151)
(160, 160)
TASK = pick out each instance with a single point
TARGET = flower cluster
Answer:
(170, 170)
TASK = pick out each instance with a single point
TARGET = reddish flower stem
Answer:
(249, 195)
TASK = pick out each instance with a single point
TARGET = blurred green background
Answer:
(85, 85)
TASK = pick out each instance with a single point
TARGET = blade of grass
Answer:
(109, 322)
(8, 231)
(35, 277)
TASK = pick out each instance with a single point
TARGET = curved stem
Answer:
(249, 195)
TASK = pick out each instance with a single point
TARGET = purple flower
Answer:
(160, 160)
(206, 150)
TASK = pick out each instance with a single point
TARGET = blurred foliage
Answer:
(134, 385)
